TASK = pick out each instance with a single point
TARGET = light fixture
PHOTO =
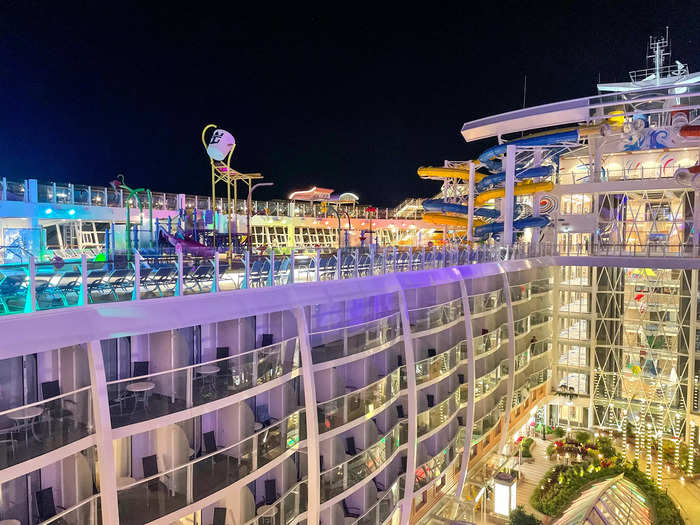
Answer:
(48, 211)
(71, 212)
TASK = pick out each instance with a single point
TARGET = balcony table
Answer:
(141, 387)
(26, 415)
(208, 382)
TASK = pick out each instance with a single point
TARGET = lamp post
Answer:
(247, 211)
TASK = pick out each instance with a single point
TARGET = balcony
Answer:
(160, 494)
(437, 366)
(136, 399)
(431, 317)
(39, 428)
(384, 508)
(438, 465)
(487, 302)
(433, 418)
(337, 343)
(343, 477)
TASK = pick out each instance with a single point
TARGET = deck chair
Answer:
(150, 468)
(219, 516)
(262, 415)
(56, 408)
(122, 282)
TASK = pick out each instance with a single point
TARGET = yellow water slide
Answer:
(520, 189)
(433, 172)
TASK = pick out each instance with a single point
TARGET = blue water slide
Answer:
(487, 157)
(497, 227)
(530, 173)
(449, 207)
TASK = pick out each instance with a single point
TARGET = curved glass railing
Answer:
(432, 418)
(486, 302)
(155, 496)
(487, 383)
(538, 378)
(488, 342)
(137, 399)
(430, 317)
(540, 286)
(342, 342)
(540, 347)
(519, 292)
(343, 409)
(436, 466)
(38, 428)
(340, 478)
(522, 359)
(485, 424)
(292, 503)
(386, 506)
(439, 365)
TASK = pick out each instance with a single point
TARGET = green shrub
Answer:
(558, 432)
(583, 437)
(551, 449)
(518, 516)
(605, 446)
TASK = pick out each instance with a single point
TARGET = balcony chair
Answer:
(225, 370)
(460, 378)
(432, 352)
(431, 400)
(150, 468)
(55, 409)
(219, 516)
(46, 509)
(140, 368)
(350, 448)
(399, 412)
(266, 340)
(270, 491)
(122, 282)
(6, 433)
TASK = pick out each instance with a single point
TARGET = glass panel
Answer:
(434, 316)
(39, 428)
(84, 513)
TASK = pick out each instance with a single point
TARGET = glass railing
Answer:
(292, 503)
(141, 398)
(342, 342)
(486, 302)
(485, 424)
(541, 286)
(435, 316)
(430, 419)
(540, 318)
(519, 396)
(540, 347)
(86, 512)
(386, 506)
(437, 366)
(436, 466)
(340, 478)
(360, 403)
(538, 378)
(521, 326)
(487, 342)
(519, 292)
(522, 359)
(486, 384)
(38, 428)
(155, 496)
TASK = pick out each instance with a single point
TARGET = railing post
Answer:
(317, 265)
(444, 254)
(106, 197)
(190, 385)
(179, 290)
(4, 188)
(422, 257)
(190, 481)
(137, 277)
(53, 193)
(290, 280)
(357, 262)
(271, 273)
(32, 285)
(394, 260)
(371, 260)
(384, 261)
(337, 265)
(410, 258)
(215, 280)
(83, 280)
(246, 274)
(89, 199)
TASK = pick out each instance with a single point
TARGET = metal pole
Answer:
(470, 202)
(247, 211)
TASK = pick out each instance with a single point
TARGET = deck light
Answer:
(71, 212)
(48, 211)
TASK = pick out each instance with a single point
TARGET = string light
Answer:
(638, 442)
(677, 454)
(691, 450)
(659, 460)
(648, 442)
(624, 435)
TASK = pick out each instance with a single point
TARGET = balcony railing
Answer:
(336, 343)
(155, 496)
(429, 317)
(292, 503)
(38, 428)
(438, 465)
(437, 366)
(85, 512)
(384, 508)
(141, 398)
(340, 478)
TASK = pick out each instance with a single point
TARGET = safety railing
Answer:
(343, 409)
(34, 429)
(145, 397)
(429, 317)
(174, 488)
(485, 424)
(437, 465)
(336, 343)
(362, 465)
(438, 365)
(386, 506)
(289, 506)
(486, 302)
(433, 417)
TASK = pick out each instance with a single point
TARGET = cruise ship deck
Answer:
(352, 366)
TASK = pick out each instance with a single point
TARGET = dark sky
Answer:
(350, 96)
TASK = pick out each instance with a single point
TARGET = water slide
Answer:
(188, 245)
(453, 214)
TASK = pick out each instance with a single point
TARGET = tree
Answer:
(518, 516)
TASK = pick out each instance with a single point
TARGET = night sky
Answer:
(349, 96)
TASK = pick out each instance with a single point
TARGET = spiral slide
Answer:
(485, 219)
